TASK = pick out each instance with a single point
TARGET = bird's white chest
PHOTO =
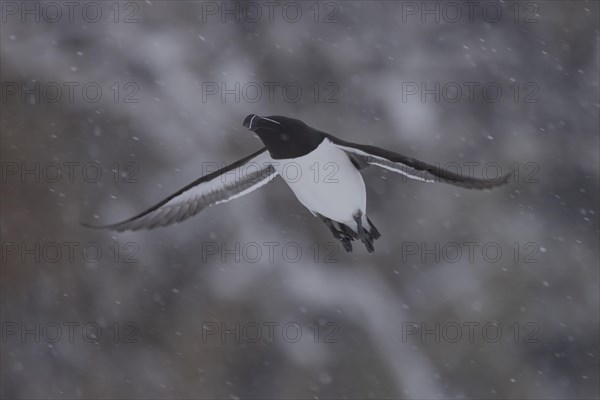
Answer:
(326, 182)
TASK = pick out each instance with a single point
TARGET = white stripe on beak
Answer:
(268, 119)
(251, 119)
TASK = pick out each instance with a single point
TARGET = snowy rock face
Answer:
(108, 107)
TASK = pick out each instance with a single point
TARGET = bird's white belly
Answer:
(326, 182)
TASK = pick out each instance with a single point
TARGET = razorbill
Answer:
(322, 171)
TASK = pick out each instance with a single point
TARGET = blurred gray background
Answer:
(155, 62)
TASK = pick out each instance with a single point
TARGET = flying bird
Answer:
(322, 171)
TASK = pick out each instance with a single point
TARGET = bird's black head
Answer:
(284, 137)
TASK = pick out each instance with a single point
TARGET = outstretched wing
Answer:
(411, 167)
(228, 183)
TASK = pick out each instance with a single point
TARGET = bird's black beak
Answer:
(253, 122)
(250, 120)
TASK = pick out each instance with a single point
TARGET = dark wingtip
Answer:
(113, 227)
(86, 225)
(497, 182)
(504, 180)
